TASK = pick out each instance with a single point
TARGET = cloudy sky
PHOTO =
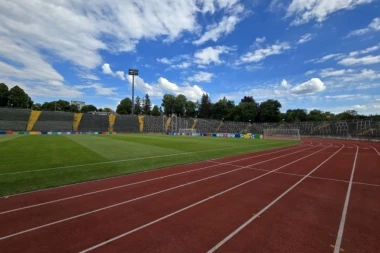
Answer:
(312, 54)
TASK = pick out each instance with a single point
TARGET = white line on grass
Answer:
(149, 195)
(192, 205)
(269, 205)
(131, 159)
(345, 207)
(143, 181)
(169, 167)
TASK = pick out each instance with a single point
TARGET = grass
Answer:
(36, 162)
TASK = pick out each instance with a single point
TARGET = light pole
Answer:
(133, 73)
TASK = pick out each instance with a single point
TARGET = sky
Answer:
(309, 54)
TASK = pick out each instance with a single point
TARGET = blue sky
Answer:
(310, 54)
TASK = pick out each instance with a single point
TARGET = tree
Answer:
(73, 108)
(247, 99)
(205, 107)
(222, 109)
(156, 111)
(180, 105)
(37, 107)
(60, 105)
(4, 94)
(106, 109)
(18, 98)
(190, 109)
(138, 108)
(248, 111)
(147, 105)
(270, 111)
(88, 108)
(125, 106)
(296, 115)
(168, 102)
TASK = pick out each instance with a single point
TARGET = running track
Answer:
(320, 196)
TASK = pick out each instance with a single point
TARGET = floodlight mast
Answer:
(133, 73)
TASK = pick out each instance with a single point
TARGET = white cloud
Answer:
(164, 60)
(305, 38)
(108, 71)
(373, 26)
(183, 65)
(210, 55)
(99, 89)
(307, 10)
(285, 84)
(310, 72)
(88, 76)
(120, 74)
(332, 72)
(201, 77)
(366, 60)
(262, 53)
(365, 51)
(260, 40)
(364, 74)
(312, 86)
(164, 86)
(328, 57)
(225, 26)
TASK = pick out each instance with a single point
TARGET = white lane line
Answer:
(192, 205)
(142, 197)
(269, 205)
(139, 182)
(375, 150)
(169, 167)
(131, 159)
(345, 207)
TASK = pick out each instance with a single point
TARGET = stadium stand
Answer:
(207, 125)
(54, 121)
(126, 124)
(21, 120)
(14, 119)
(153, 124)
(93, 122)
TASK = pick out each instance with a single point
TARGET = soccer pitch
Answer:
(33, 162)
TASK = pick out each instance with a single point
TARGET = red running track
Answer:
(321, 196)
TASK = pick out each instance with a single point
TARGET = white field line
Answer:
(302, 175)
(140, 182)
(345, 207)
(192, 205)
(269, 205)
(131, 159)
(169, 167)
(374, 149)
(146, 196)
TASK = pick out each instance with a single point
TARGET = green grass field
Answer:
(35, 162)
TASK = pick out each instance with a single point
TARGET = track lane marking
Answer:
(217, 246)
(144, 196)
(345, 207)
(192, 205)
(140, 182)
(374, 149)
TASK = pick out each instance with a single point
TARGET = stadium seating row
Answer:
(21, 120)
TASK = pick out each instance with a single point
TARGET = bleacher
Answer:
(126, 124)
(207, 125)
(153, 124)
(13, 119)
(232, 127)
(93, 122)
(54, 121)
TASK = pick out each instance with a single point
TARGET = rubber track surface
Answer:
(300, 193)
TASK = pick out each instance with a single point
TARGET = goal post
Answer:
(187, 130)
(282, 134)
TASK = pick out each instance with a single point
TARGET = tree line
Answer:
(247, 110)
